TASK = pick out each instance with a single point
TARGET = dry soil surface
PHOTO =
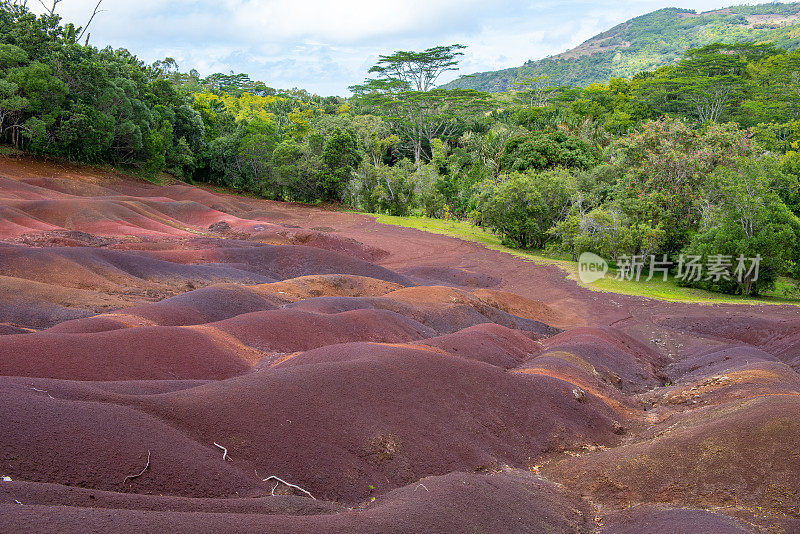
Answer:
(175, 358)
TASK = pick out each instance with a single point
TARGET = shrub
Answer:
(523, 207)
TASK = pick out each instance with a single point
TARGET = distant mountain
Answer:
(650, 41)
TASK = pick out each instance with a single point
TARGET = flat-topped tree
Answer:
(418, 71)
(534, 91)
(404, 95)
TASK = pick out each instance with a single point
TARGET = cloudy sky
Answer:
(325, 46)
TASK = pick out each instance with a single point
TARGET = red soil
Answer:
(674, 520)
(734, 456)
(512, 502)
(610, 355)
(382, 415)
(443, 309)
(489, 343)
(204, 305)
(125, 354)
(411, 382)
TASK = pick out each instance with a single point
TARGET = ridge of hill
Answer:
(650, 41)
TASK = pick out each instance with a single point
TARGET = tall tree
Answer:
(711, 80)
(418, 71)
(747, 219)
(404, 95)
(534, 91)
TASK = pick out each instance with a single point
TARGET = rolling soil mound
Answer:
(414, 413)
(675, 520)
(327, 285)
(448, 276)
(96, 445)
(759, 379)
(282, 262)
(444, 318)
(112, 270)
(204, 305)
(290, 330)
(735, 456)
(610, 355)
(718, 359)
(487, 342)
(166, 352)
(509, 501)
(518, 305)
(780, 337)
(125, 354)
(99, 216)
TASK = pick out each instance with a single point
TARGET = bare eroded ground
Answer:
(167, 352)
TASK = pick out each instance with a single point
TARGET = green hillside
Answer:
(650, 41)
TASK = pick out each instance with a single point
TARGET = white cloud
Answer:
(344, 21)
(325, 46)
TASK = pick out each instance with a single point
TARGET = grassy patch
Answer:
(784, 293)
(10, 151)
(139, 174)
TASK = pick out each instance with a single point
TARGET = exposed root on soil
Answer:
(295, 486)
(140, 473)
(224, 452)
(43, 391)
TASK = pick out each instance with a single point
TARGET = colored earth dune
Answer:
(179, 359)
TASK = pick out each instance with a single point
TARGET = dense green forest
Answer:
(651, 41)
(700, 157)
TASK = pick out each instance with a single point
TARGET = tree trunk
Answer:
(418, 152)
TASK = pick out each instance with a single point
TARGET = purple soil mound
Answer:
(445, 317)
(164, 349)
(293, 330)
(650, 520)
(489, 343)
(609, 354)
(38, 314)
(128, 354)
(392, 414)
(204, 305)
(97, 445)
(507, 502)
(715, 360)
(93, 268)
(448, 276)
(282, 262)
(732, 454)
(7, 329)
(778, 337)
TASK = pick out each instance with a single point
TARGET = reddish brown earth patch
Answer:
(736, 456)
(641, 519)
(511, 502)
(411, 382)
(488, 342)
